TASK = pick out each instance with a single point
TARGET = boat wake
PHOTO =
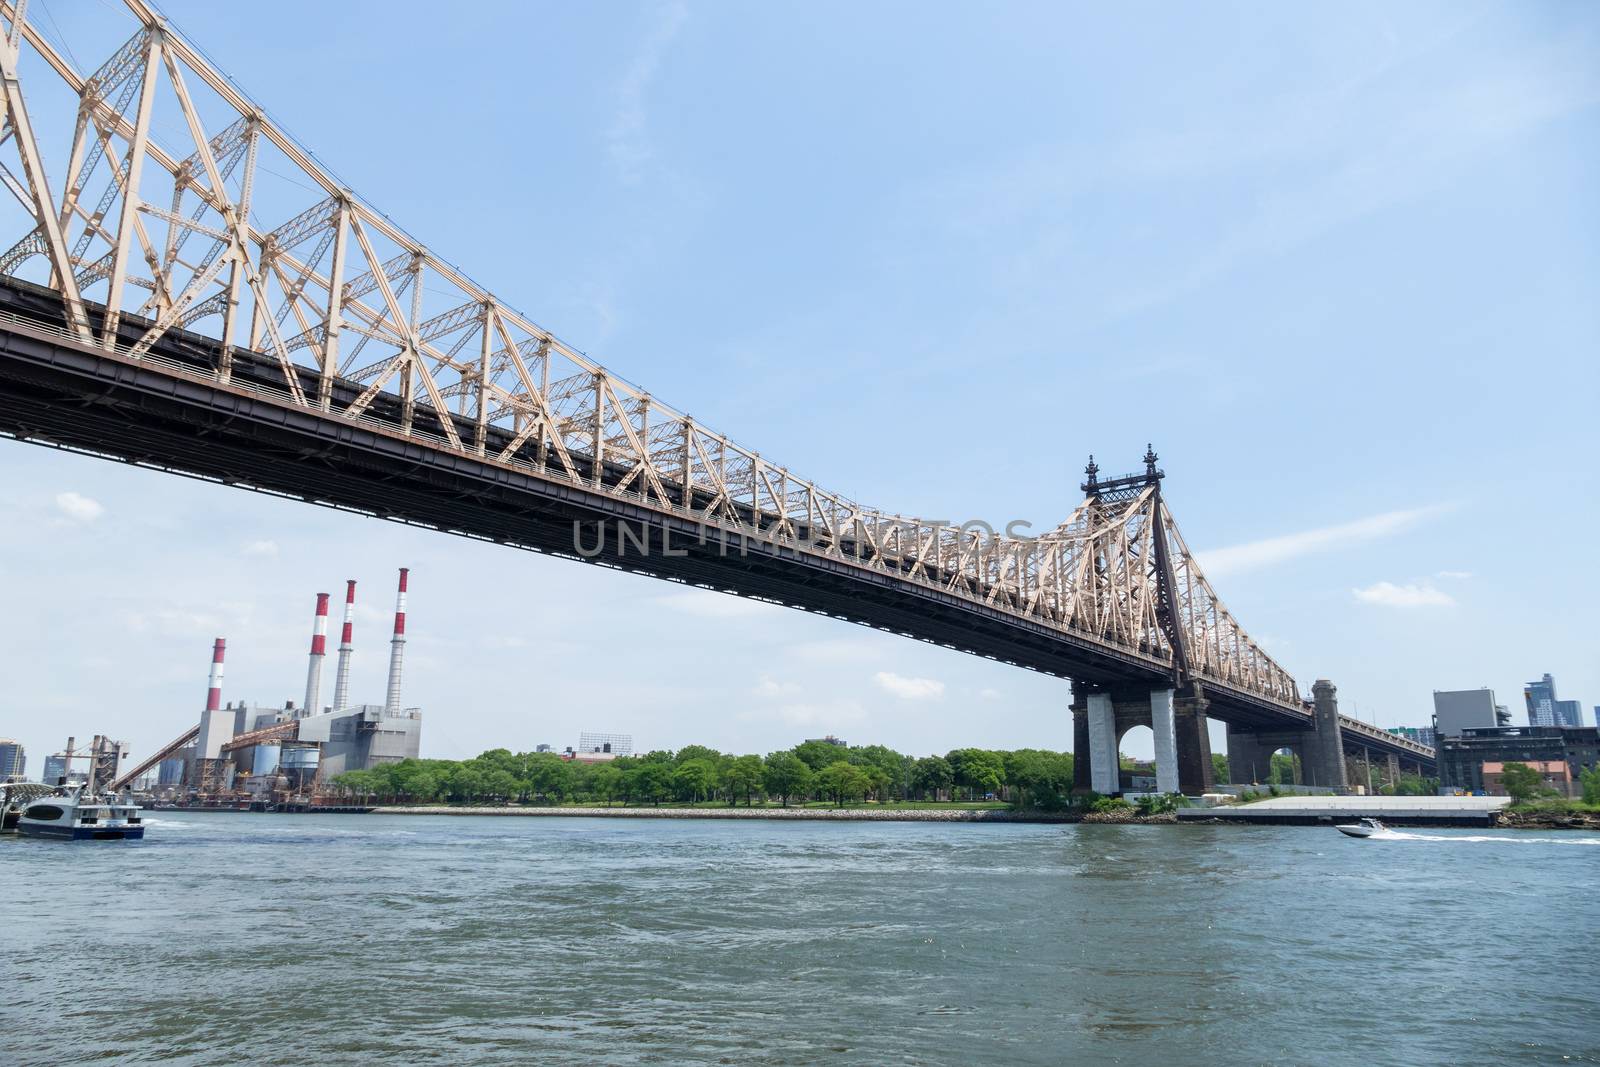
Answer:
(1401, 835)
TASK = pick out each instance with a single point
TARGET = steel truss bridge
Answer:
(189, 289)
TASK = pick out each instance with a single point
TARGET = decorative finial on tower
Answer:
(1092, 471)
(1149, 461)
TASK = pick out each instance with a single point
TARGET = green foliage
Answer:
(1105, 804)
(978, 770)
(1284, 771)
(1041, 780)
(931, 776)
(743, 777)
(1590, 780)
(818, 754)
(694, 779)
(842, 781)
(1162, 805)
(1522, 783)
(786, 775)
(1219, 768)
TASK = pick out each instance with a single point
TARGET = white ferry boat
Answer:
(71, 814)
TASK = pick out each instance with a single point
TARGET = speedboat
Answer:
(1364, 828)
(73, 814)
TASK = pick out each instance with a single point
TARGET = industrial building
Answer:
(1474, 761)
(605, 744)
(1455, 710)
(243, 755)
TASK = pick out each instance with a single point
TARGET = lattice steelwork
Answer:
(142, 239)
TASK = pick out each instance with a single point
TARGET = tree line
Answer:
(816, 771)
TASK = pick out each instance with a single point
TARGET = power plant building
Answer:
(250, 751)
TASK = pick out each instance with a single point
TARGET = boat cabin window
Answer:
(45, 811)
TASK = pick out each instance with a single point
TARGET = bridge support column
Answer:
(1102, 744)
(1249, 761)
(1394, 769)
(1163, 725)
(1195, 775)
(1082, 782)
(1323, 752)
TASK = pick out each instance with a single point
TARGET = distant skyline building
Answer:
(1455, 710)
(13, 759)
(1546, 709)
(612, 744)
(1422, 735)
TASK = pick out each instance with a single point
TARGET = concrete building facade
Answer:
(1455, 710)
(13, 760)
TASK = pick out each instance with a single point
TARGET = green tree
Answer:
(1285, 769)
(786, 775)
(742, 777)
(1041, 779)
(694, 752)
(550, 776)
(1591, 785)
(931, 774)
(1219, 768)
(818, 754)
(978, 770)
(694, 780)
(1522, 783)
(651, 781)
(843, 781)
(606, 782)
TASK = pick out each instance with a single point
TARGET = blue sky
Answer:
(1338, 264)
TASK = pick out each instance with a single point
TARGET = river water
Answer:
(282, 939)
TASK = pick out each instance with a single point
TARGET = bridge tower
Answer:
(1175, 707)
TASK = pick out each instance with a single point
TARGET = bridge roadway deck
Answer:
(170, 411)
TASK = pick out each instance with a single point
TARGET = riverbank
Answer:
(788, 814)
(1512, 819)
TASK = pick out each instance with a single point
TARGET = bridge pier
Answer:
(1193, 744)
(1323, 749)
(1249, 756)
(1103, 768)
(1163, 724)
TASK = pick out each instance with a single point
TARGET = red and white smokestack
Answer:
(214, 693)
(341, 680)
(319, 649)
(397, 645)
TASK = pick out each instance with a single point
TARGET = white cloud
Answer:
(988, 694)
(261, 548)
(1462, 575)
(770, 688)
(909, 688)
(1257, 554)
(78, 507)
(627, 138)
(706, 604)
(1404, 596)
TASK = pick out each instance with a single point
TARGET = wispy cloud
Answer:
(627, 138)
(1404, 596)
(1456, 575)
(706, 604)
(261, 548)
(79, 508)
(1255, 555)
(909, 688)
(769, 688)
